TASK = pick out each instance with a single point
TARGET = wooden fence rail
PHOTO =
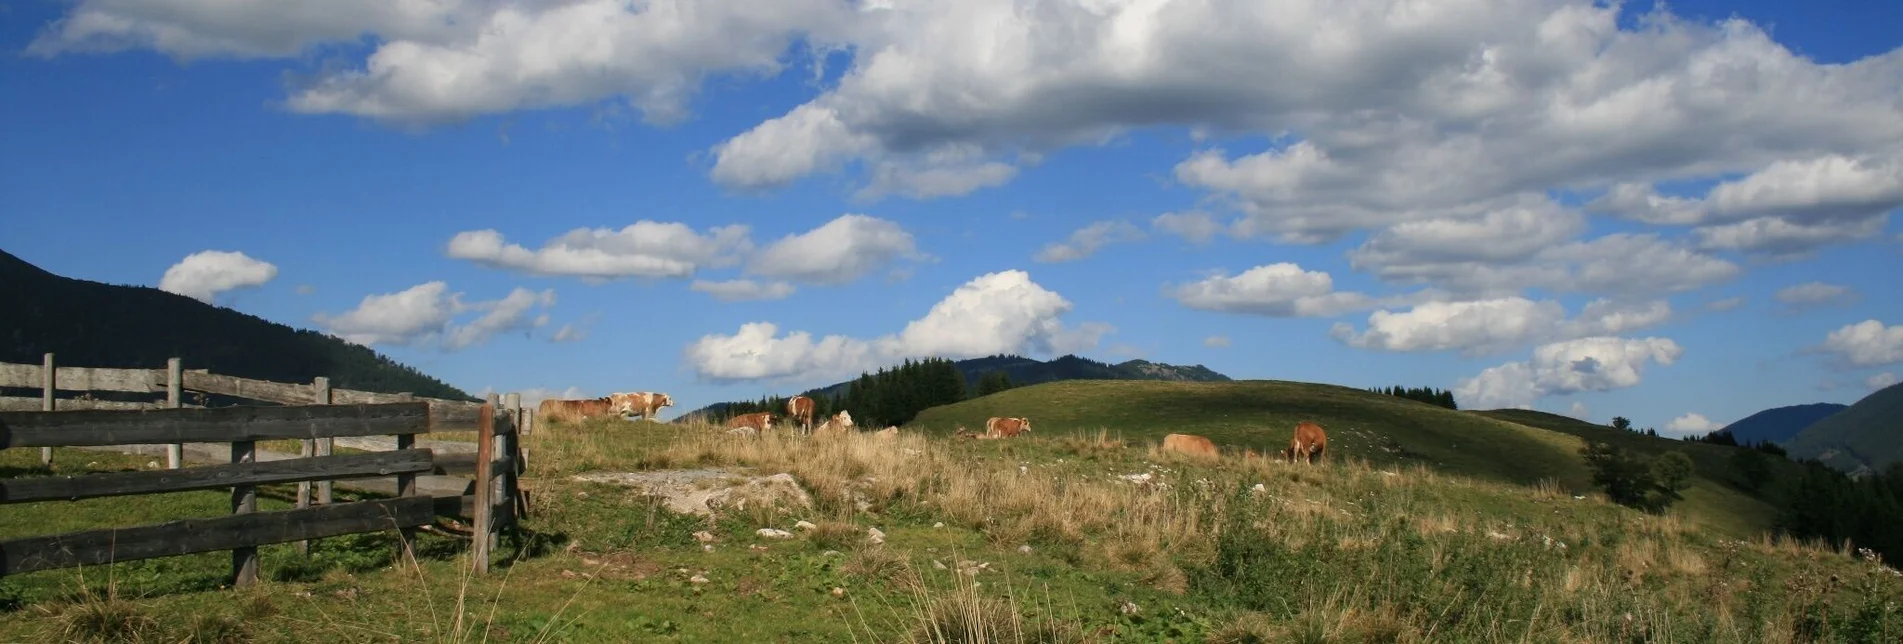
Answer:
(493, 505)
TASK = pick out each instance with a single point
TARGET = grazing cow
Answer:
(640, 403)
(997, 427)
(1190, 444)
(759, 422)
(1309, 444)
(569, 411)
(800, 409)
(839, 425)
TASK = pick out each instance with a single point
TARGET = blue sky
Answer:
(1680, 218)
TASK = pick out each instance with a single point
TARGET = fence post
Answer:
(49, 381)
(406, 483)
(174, 399)
(306, 448)
(244, 500)
(485, 480)
(505, 486)
(321, 385)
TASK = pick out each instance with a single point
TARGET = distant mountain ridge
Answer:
(1780, 424)
(93, 324)
(1028, 371)
(1865, 437)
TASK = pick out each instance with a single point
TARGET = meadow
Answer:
(1074, 533)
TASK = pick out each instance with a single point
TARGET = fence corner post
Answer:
(485, 481)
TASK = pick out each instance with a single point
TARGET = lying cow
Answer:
(1190, 444)
(759, 422)
(644, 404)
(1309, 444)
(998, 427)
(569, 411)
(839, 425)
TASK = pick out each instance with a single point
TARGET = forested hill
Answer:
(91, 324)
(980, 376)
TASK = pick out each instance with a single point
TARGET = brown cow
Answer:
(640, 403)
(888, 432)
(998, 427)
(1309, 444)
(760, 422)
(558, 410)
(800, 408)
(1190, 444)
(839, 425)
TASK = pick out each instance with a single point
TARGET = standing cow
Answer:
(569, 411)
(800, 409)
(641, 403)
(999, 427)
(1309, 444)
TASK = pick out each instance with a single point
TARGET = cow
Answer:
(555, 409)
(800, 410)
(1190, 444)
(998, 427)
(888, 433)
(640, 403)
(839, 425)
(759, 422)
(1309, 444)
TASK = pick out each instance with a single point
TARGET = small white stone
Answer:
(774, 533)
(698, 579)
(805, 525)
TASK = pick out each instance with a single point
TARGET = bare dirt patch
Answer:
(706, 491)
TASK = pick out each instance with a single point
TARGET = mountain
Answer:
(1027, 371)
(92, 324)
(1867, 436)
(1780, 424)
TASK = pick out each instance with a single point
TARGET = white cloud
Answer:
(1786, 209)
(1480, 327)
(645, 249)
(1866, 344)
(1275, 290)
(424, 313)
(1002, 312)
(1815, 294)
(1880, 380)
(1601, 363)
(204, 274)
(1726, 304)
(1505, 252)
(1690, 424)
(1086, 241)
(1216, 342)
(1580, 411)
(743, 290)
(1195, 225)
(840, 251)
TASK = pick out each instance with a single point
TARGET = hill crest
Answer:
(1780, 424)
(1862, 438)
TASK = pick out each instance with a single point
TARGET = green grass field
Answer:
(1088, 534)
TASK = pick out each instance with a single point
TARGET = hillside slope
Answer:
(91, 324)
(1867, 435)
(1780, 424)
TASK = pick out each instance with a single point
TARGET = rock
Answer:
(774, 533)
(758, 548)
(940, 524)
(698, 579)
(1260, 488)
(805, 525)
(874, 536)
(939, 565)
(1129, 608)
(704, 536)
(1024, 549)
(707, 547)
(839, 592)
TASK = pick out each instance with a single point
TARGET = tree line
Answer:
(1429, 395)
(889, 396)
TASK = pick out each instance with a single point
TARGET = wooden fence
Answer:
(493, 505)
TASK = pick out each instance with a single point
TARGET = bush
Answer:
(1633, 480)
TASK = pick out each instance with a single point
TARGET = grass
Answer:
(1070, 534)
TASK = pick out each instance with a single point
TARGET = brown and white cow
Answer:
(569, 411)
(800, 409)
(640, 403)
(1190, 444)
(1309, 444)
(889, 432)
(759, 422)
(839, 425)
(1000, 427)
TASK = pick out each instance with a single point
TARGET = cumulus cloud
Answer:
(645, 249)
(204, 274)
(1086, 241)
(1480, 327)
(1580, 411)
(1601, 363)
(1274, 290)
(1815, 294)
(1691, 423)
(425, 313)
(1786, 209)
(1869, 343)
(1003, 312)
(840, 251)
(1880, 380)
(743, 290)
(1216, 342)
(1195, 225)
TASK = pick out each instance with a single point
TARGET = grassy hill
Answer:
(1508, 446)
(1780, 424)
(1868, 435)
(92, 324)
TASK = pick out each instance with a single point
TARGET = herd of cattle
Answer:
(1308, 445)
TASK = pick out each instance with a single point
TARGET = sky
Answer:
(1679, 214)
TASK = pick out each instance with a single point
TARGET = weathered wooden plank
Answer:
(22, 403)
(102, 379)
(342, 396)
(24, 376)
(188, 536)
(283, 393)
(218, 425)
(72, 488)
(484, 521)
